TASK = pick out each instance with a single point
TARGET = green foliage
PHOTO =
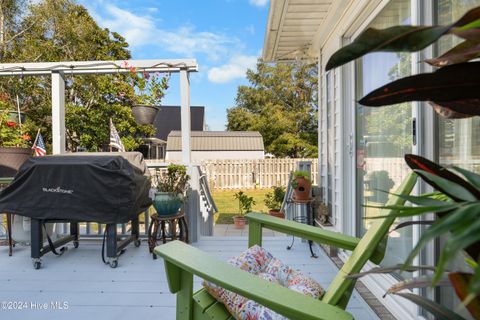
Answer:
(11, 134)
(273, 200)
(280, 103)
(299, 174)
(245, 203)
(174, 179)
(227, 208)
(150, 89)
(61, 30)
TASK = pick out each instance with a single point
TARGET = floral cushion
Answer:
(260, 262)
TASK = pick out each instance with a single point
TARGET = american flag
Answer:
(115, 138)
(39, 146)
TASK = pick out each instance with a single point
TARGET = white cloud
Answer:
(187, 41)
(258, 3)
(137, 30)
(235, 69)
(141, 30)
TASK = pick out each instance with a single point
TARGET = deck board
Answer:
(137, 288)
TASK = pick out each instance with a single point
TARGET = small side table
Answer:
(308, 219)
(158, 220)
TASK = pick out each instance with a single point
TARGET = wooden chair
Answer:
(183, 261)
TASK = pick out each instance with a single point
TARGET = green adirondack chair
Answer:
(183, 261)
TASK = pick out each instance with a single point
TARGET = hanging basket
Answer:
(144, 114)
(13, 116)
(11, 159)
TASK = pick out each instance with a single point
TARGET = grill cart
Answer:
(106, 188)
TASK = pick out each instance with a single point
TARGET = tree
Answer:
(61, 30)
(280, 103)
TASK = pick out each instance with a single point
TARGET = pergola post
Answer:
(58, 113)
(185, 116)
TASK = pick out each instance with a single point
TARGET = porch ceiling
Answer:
(292, 25)
(295, 25)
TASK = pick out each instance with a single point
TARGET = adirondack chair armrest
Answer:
(6, 180)
(183, 261)
(258, 221)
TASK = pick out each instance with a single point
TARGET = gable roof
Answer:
(168, 118)
(218, 141)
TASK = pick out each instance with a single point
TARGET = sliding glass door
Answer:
(383, 134)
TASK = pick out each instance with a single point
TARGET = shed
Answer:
(213, 145)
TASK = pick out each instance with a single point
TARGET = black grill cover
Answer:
(95, 187)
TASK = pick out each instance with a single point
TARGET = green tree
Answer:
(280, 103)
(61, 30)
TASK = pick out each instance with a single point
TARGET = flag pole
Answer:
(110, 126)
(18, 112)
(36, 138)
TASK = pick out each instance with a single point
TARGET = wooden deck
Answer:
(79, 282)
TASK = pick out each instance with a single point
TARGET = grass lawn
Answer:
(228, 205)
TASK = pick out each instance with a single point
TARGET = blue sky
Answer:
(225, 36)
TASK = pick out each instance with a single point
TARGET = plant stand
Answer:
(307, 219)
(160, 221)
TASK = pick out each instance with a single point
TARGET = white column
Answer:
(58, 113)
(185, 116)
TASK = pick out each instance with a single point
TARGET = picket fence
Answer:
(251, 174)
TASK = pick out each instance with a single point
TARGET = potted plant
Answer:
(273, 201)
(171, 187)
(14, 143)
(302, 185)
(245, 204)
(147, 92)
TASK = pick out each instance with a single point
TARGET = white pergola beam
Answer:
(97, 67)
(57, 70)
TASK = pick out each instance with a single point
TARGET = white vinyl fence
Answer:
(250, 174)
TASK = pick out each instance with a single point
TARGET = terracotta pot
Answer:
(276, 213)
(11, 159)
(144, 114)
(303, 190)
(239, 222)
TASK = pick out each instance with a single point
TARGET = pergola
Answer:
(58, 70)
